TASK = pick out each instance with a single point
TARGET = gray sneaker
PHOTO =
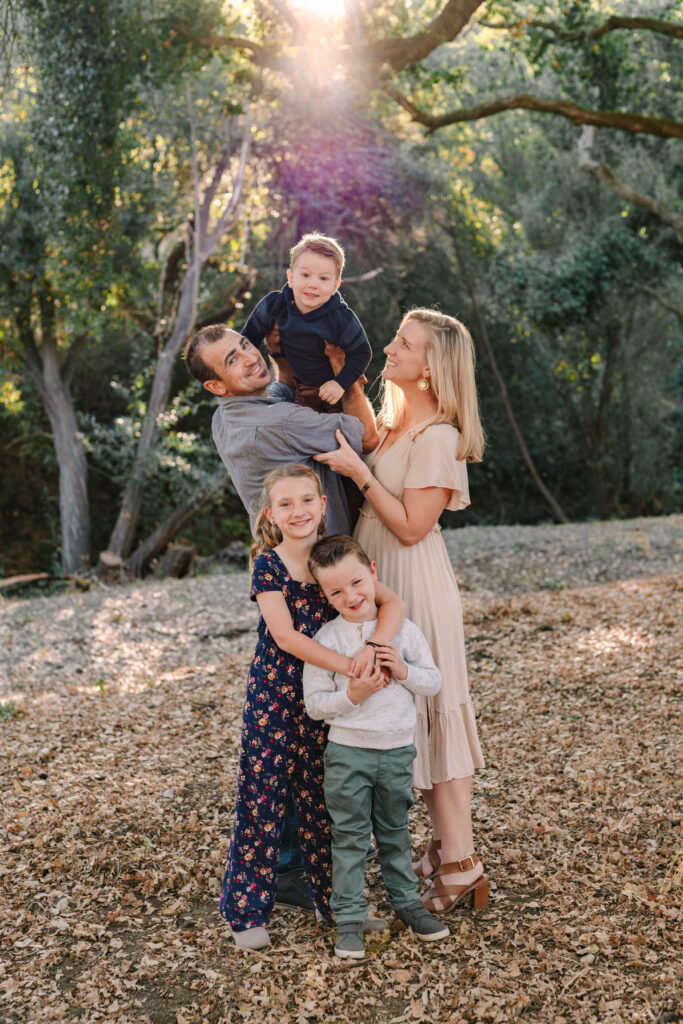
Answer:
(349, 942)
(422, 923)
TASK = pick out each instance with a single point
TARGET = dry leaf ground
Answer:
(119, 742)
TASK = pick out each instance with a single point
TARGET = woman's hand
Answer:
(345, 461)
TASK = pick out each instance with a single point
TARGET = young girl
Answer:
(280, 744)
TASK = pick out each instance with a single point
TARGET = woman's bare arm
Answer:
(410, 519)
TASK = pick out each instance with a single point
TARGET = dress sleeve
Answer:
(266, 575)
(433, 462)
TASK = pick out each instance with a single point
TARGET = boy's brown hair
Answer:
(322, 245)
(329, 551)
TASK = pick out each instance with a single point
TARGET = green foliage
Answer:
(96, 210)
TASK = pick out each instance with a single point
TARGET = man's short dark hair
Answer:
(329, 551)
(194, 348)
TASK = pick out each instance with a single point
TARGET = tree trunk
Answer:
(121, 539)
(74, 512)
(597, 424)
(502, 387)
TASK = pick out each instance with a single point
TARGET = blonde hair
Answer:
(450, 357)
(321, 245)
(266, 534)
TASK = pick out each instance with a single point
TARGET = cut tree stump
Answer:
(110, 567)
(177, 560)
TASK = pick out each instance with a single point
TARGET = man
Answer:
(257, 427)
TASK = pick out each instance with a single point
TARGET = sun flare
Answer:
(322, 10)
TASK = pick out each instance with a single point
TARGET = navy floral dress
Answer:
(281, 746)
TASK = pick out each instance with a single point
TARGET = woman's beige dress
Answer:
(446, 732)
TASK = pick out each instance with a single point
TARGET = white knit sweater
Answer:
(386, 719)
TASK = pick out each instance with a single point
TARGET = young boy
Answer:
(369, 754)
(308, 312)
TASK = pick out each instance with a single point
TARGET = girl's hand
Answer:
(364, 660)
(344, 460)
(389, 658)
(370, 682)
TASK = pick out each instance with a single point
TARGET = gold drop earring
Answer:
(423, 384)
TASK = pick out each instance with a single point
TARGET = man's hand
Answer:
(331, 392)
(389, 658)
(273, 340)
(336, 357)
(370, 682)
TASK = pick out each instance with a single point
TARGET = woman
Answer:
(429, 428)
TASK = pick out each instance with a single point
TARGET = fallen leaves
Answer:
(117, 808)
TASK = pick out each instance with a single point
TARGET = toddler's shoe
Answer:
(421, 922)
(251, 938)
(292, 891)
(349, 943)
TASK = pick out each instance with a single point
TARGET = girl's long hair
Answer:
(266, 534)
(450, 357)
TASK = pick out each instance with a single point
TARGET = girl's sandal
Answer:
(431, 851)
(449, 895)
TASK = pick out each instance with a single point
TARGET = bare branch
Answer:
(628, 122)
(666, 28)
(175, 522)
(361, 278)
(228, 215)
(398, 51)
(586, 163)
(662, 302)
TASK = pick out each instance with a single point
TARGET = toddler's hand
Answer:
(331, 392)
(389, 658)
(370, 682)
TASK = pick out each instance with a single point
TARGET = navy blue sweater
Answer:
(303, 336)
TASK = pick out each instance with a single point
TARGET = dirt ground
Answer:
(119, 731)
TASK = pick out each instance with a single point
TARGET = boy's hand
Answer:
(370, 682)
(331, 392)
(365, 659)
(389, 658)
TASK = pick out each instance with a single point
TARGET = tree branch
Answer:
(662, 302)
(398, 51)
(666, 28)
(362, 278)
(629, 122)
(69, 365)
(586, 163)
(175, 522)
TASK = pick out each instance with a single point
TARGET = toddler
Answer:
(308, 312)
(369, 755)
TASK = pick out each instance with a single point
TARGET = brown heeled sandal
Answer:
(449, 895)
(432, 851)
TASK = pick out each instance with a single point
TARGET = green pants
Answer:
(369, 790)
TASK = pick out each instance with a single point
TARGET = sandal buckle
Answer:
(471, 864)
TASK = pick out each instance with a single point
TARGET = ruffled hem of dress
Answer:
(447, 746)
